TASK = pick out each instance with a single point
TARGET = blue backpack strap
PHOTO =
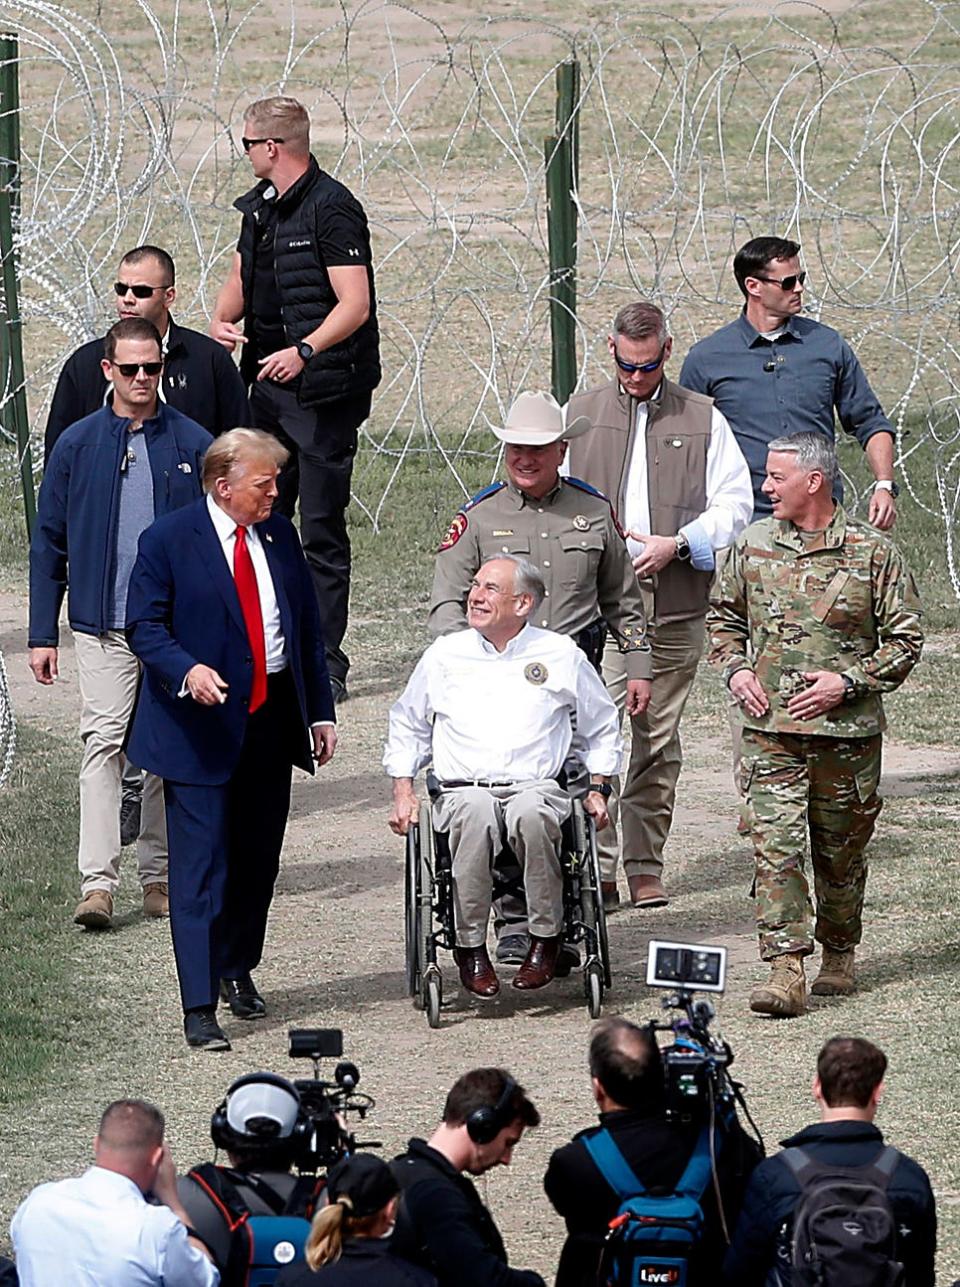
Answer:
(693, 1183)
(613, 1166)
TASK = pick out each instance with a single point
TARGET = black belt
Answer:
(480, 782)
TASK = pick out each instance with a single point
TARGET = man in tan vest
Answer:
(669, 461)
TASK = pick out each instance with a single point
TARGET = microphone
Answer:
(769, 366)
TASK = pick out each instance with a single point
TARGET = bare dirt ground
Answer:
(335, 959)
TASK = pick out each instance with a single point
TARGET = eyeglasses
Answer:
(249, 143)
(140, 292)
(129, 369)
(786, 283)
(646, 367)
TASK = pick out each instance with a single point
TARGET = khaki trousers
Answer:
(479, 820)
(643, 806)
(108, 673)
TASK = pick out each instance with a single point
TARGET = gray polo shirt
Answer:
(136, 513)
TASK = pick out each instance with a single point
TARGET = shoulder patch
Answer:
(454, 532)
(491, 490)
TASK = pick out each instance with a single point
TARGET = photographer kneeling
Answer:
(628, 1083)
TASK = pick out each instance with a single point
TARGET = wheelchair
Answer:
(428, 907)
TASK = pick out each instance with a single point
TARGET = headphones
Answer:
(228, 1137)
(485, 1123)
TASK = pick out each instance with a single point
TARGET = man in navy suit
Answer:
(222, 613)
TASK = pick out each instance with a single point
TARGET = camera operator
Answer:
(442, 1223)
(627, 1078)
(256, 1124)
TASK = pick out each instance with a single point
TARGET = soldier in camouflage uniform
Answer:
(815, 616)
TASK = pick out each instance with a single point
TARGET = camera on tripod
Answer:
(326, 1105)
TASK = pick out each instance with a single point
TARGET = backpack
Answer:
(260, 1245)
(844, 1229)
(651, 1238)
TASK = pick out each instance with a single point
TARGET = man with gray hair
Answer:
(815, 616)
(493, 708)
(668, 460)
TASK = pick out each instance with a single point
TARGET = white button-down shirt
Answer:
(97, 1229)
(502, 716)
(226, 530)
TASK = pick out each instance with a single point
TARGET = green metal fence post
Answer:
(562, 156)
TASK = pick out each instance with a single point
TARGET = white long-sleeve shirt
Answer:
(484, 715)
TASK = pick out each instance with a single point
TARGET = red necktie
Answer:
(249, 595)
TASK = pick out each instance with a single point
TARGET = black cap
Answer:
(366, 1180)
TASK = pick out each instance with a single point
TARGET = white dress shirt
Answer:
(226, 530)
(728, 488)
(479, 714)
(96, 1229)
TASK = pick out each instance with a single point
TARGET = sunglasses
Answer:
(631, 367)
(249, 143)
(786, 283)
(140, 292)
(130, 369)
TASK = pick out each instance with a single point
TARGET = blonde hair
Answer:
(332, 1226)
(237, 446)
(283, 119)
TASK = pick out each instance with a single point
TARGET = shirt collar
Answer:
(520, 498)
(788, 533)
(108, 1179)
(752, 337)
(512, 645)
(223, 524)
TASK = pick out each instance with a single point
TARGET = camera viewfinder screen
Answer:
(686, 965)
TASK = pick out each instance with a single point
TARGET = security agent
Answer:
(259, 1124)
(627, 1079)
(442, 1223)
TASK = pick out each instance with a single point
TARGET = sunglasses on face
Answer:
(786, 283)
(631, 367)
(130, 369)
(140, 292)
(249, 143)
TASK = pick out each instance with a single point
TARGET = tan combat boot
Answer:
(156, 900)
(95, 910)
(836, 977)
(785, 992)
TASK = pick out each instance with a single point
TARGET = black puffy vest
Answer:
(306, 295)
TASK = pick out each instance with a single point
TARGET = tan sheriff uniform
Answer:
(572, 536)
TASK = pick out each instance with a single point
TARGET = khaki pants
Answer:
(109, 673)
(644, 805)
(528, 816)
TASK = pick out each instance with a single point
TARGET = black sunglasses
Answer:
(786, 283)
(140, 292)
(646, 367)
(249, 143)
(131, 368)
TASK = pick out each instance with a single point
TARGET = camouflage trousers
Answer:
(824, 788)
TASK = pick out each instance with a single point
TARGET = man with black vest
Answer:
(668, 460)
(301, 283)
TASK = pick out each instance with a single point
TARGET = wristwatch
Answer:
(887, 485)
(305, 350)
(849, 688)
(683, 546)
(602, 788)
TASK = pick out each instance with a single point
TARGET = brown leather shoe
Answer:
(610, 895)
(156, 899)
(476, 971)
(647, 891)
(540, 967)
(95, 910)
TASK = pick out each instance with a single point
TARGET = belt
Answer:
(479, 782)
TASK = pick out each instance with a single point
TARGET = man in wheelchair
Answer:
(497, 709)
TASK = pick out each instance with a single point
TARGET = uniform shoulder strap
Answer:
(586, 487)
(613, 1166)
(483, 495)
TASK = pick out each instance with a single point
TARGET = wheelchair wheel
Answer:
(591, 906)
(412, 913)
(593, 987)
(433, 995)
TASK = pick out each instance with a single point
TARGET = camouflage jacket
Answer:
(849, 606)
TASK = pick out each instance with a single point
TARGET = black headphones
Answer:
(486, 1122)
(233, 1141)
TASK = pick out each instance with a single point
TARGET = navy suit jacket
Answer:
(182, 608)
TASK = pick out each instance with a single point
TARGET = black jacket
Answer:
(763, 1233)
(200, 378)
(309, 215)
(443, 1225)
(658, 1153)
(364, 1262)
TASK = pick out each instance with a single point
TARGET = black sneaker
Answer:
(512, 949)
(130, 818)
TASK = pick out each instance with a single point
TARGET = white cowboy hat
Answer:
(536, 420)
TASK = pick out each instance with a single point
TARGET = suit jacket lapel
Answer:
(210, 551)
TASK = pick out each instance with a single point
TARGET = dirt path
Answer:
(334, 959)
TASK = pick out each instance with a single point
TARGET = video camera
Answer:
(324, 1105)
(698, 1083)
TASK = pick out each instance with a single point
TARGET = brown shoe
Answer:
(610, 895)
(476, 971)
(837, 975)
(540, 967)
(95, 910)
(156, 901)
(647, 891)
(785, 993)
